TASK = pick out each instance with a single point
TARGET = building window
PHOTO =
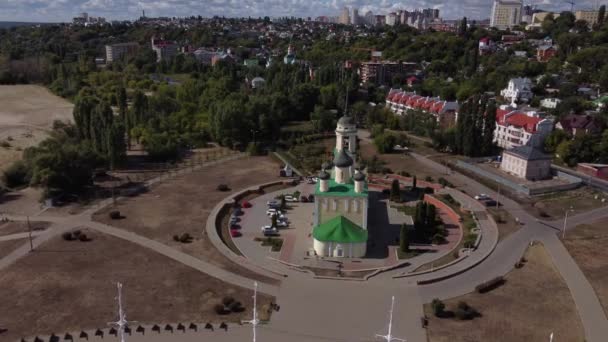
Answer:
(334, 205)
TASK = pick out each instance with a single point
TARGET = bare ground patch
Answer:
(587, 245)
(532, 303)
(182, 205)
(70, 285)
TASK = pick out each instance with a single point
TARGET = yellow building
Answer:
(506, 14)
(589, 16)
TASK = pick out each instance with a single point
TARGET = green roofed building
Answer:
(341, 201)
(340, 237)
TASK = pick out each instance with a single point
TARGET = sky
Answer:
(65, 10)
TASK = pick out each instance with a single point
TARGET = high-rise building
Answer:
(391, 19)
(355, 18)
(370, 18)
(118, 51)
(345, 16)
(590, 17)
(506, 14)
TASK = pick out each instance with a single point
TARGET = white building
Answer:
(516, 128)
(164, 49)
(391, 19)
(341, 201)
(526, 162)
(550, 103)
(519, 89)
(506, 14)
(446, 112)
(344, 16)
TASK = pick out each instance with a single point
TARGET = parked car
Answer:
(269, 231)
(235, 227)
(482, 197)
(246, 204)
(282, 223)
(273, 204)
(310, 181)
(237, 212)
(491, 203)
(235, 233)
(290, 198)
(234, 220)
(273, 211)
(311, 198)
(303, 199)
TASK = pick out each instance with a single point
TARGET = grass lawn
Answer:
(505, 222)
(533, 303)
(554, 206)
(587, 245)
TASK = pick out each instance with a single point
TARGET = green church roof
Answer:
(341, 230)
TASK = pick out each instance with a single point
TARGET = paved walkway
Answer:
(18, 236)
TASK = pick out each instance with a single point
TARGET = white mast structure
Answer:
(254, 321)
(122, 317)
(389, 336)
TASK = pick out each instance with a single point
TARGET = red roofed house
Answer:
(515, 128)
(580, 124)
(544, 53)
(412, 80)
(399, 101)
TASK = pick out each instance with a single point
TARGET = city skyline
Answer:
(65, 10)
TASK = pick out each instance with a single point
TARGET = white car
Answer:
(282, 223)
(273, 211)
(268, 231)
(290, 198)
(482, 197)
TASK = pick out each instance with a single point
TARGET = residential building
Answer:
(486, 46)
(538, 18)
(526, 162)
(545, 52)
(344, 16)
(119, 51)
(506, 14)
(355, 17)
(518, 89)
(550, 103)
(370, 18)
(381, 72)
(391, 19)
(576, 125)
(517, 128)
(591, 17)
(594, 170)
(341, 205)
(164, 49)
(445, 112)
(290, 57)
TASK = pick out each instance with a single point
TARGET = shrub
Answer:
(115, 214)
(438, 239)
(67, 236)
(16, 175)
(185, 238)
(464, 312)
(469, 240)
(221, 310)
(176, 238)
(223, 187)
(227, 301)
(236, 307)
(438, 307)
(428, 178)
(489, 285)
(5, 144)
(83, 238)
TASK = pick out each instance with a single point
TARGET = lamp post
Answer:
(565, 222)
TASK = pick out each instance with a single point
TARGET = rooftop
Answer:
(340, 229)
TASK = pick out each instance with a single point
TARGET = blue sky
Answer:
(64, 10)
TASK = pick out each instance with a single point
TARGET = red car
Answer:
(235, 233)
(246, 204)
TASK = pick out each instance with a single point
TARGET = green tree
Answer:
(414, 183)
(395, 191)
(601, 15)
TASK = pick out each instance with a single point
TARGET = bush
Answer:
(223, 187)
(428, 178)
(439, 239)
(469, 240)
(221, 310)
(438, 307)
(67, 236)
(227, 301)
(489, 285)
(185, 238)
(464, 312)
(176, 238)
(83, 238)
(236, 307)
(115, 215)
(16, 175)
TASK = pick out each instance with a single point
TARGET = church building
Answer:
(341, 200)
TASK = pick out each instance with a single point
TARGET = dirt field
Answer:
(26, 113)
(532, 303)
(8, 228)
(555, 205)
(7, 247)
(505, 222)
(397, 162)
(70, 285)
(587, 245)
(183, 204)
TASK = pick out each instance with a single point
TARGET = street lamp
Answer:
(565, 222)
